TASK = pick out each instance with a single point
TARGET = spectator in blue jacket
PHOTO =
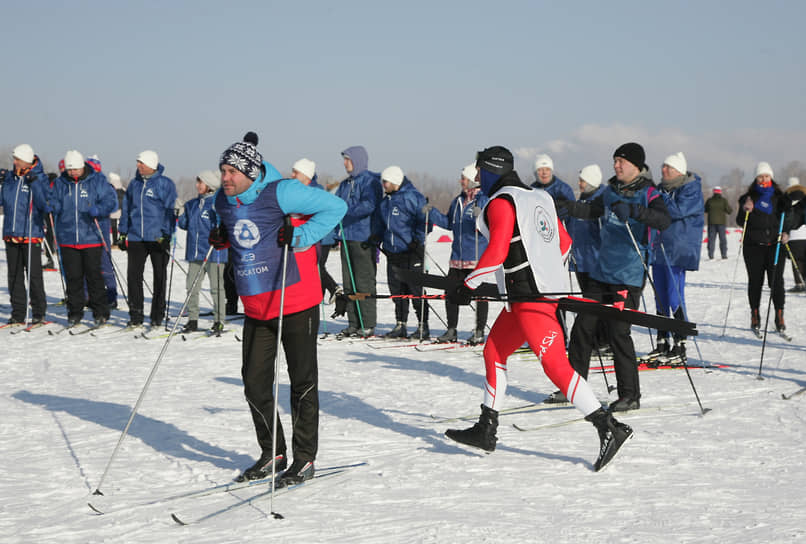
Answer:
(546, 180)
(304, 171)
(79, 198)
(146, 225)
(399, 226)
(198, 219)
(362, 192)
(24, 200)
(677, 249)
(466, 247)
(632, 212)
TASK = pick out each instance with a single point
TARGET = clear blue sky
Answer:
(421, 84)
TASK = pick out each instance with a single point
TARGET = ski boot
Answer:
(558, 397)
(612, 435)
(755, 322)
(298, 472)
(449, 336)
(263, 467)
(651, 358)
(191, 326)
(480, 435)
(675, 356)
(779, 320)
(422, 333)
(217, 329)
(476, 338)
(398, 332)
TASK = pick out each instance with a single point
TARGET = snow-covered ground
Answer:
(733, 475)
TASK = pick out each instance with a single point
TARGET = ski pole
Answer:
(423, 303)
(735, 268)
(59, 255)
(350, 271)
(171, 274)
(147, 384)
(682, 302)
(795, 267)
(30, 244)
(109, 252)
(772, 292)
(275, 415)
(646, 272)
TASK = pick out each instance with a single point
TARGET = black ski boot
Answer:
(449, 336)
(755, 322)
(398, 332)
(262, 468)
(661, 349)
(558, 397)
(612, 435)
(676, 356)
(298, 472)
(422, 333)
(191, 326)
(476, 338)
(779, 320)
(482, 434)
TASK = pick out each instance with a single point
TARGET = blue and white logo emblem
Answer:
(246, 233)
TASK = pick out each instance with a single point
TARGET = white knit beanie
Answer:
(763, 168)
(114, 179)
(393, 175)
(305, 166)
(211, 178)
(470, 172)
(592, 175)
(544, 161)
(24, 152)
(73, 160)
(678, 162)
(149, 158)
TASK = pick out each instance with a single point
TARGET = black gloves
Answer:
(29, 178)
(624, 210)
(373, 241)
(285, 234)
(341, 303)
(165, 242)
(122, 243)
(460, 294)
(218, 237)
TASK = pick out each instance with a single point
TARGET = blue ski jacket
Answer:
(198, 219)
(147, 213)
(399, 219)
(461, 220)
(586, 236)
(16, 200)
(682, 241)
(76, 204)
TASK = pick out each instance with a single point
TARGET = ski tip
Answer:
(277, 515)
(99, 512)
(97, 492)
(177, 520)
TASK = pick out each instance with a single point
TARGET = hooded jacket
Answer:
(71, 201)
(619, 262)
(682, 241)
(198, 219)
(461, 220)
(362, 192)
(147, 213)
(399, 219)
(586, 236)
(17, 199)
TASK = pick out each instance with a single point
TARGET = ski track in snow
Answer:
(733, 475)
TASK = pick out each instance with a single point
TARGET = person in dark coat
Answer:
(766, 206)
(554, 186)
(718, 209)
(797, 236)
(399, 226)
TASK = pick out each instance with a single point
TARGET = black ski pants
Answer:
(760, 260)
(17, 257)
(138, 253)
(82, 265)
(406, 260)
(358, 268)
(299, 346)
(583, 337)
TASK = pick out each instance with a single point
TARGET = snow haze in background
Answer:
(733, 475)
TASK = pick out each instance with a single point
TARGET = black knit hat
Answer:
(497, 160)
(632, 152)
(244, 156)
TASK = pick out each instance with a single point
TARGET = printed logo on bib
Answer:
(246, 233)
(545, 226)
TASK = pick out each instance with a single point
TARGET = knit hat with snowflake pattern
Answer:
(244, 156)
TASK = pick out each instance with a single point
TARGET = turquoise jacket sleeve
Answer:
(325, 210)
